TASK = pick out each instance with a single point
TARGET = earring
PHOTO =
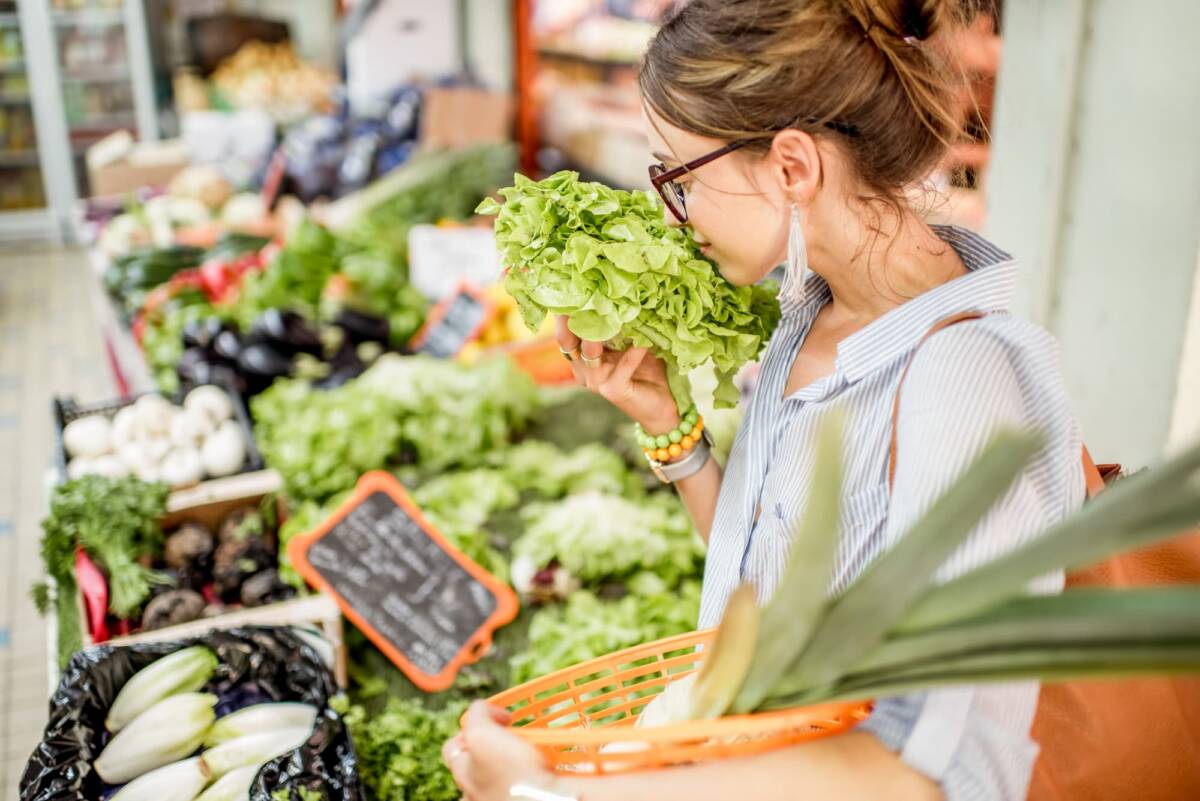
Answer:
(797, 266)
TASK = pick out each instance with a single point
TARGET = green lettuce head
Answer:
(607, 259)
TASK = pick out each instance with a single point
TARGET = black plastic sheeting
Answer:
(257, 664)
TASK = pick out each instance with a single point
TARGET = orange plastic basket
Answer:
(572, 715)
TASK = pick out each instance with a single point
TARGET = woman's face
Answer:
(735, 207)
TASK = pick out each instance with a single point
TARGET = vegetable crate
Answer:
(67, 410)
(208, 504)
(583, 718)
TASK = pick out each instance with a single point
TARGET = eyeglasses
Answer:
(666, 184)
(665, 181)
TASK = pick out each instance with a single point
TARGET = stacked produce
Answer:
(272, 78)
(153, 579)
(156, 440)
(609, 261)
(159, 719)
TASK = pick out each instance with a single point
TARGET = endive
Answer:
(179, 781)
(233, 786)
(262, 718)
(170, 730)
(186, 670)
(253, 749)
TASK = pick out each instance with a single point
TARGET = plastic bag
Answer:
(257, 664)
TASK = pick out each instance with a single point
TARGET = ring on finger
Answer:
(569, 355)
(590, 362)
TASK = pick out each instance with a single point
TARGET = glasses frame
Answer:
(664, 180)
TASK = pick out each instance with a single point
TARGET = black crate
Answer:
(66, 410)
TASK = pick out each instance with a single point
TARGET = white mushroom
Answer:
(182, 467)
(213, 402)
(224, 451)
(110, 466)
(154, 414)
(189, 428)
(88, 436)
(125, 426)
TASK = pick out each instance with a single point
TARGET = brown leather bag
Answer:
(1116, 740)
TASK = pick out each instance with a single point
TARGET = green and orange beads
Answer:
(676, 442)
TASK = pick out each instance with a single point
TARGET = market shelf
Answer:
(95, 17)
(97, 74)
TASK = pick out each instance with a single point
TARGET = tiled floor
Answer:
(48, 345)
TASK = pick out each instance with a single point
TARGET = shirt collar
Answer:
(988, 286)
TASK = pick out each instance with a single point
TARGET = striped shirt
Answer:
(964, 384)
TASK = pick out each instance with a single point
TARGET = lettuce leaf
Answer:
(608, 260)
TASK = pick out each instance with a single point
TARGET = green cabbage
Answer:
(608, 260)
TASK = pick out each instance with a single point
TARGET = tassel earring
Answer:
(797, 266)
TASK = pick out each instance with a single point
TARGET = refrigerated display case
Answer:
(25, 136)
(103, 59)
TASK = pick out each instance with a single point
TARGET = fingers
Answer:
(455, 755)
(593, 355)
(483, 713)
(566, 340)
(624, 370)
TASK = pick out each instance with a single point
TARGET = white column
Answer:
(1095, 185)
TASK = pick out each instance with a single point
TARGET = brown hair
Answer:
(864, 72)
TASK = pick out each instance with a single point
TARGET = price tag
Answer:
(419, 599)
(442, 258)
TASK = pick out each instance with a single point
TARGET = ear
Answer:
(796, 164)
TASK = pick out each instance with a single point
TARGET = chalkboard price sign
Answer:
(455, 322)
(425, 604)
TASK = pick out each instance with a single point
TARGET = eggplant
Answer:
(288, 332)
(362, 327)
(194, 367)
(201, 333)
(227, 346)
(263, 361)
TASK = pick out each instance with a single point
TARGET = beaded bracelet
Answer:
(676, 442)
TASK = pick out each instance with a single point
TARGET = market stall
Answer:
(350, 484)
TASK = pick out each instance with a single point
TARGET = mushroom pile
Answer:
(156, 440)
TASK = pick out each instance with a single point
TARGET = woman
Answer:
(796, 131)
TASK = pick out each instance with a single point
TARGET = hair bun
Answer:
(916, 19)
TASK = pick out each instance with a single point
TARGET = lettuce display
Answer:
(648, 545)
(400, 749)
(608, 260)
(586, 627)
(434, 414)
(542, 468)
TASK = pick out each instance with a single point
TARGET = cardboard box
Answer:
(460, 117)
(117, 165)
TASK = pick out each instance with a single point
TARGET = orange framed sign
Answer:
(454, 323)
(419, 599)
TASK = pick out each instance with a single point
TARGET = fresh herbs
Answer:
(609, 261)
(114, 521)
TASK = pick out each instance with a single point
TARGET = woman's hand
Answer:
(487, 759)
(633, 381)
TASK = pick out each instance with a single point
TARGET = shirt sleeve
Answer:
(966, 384)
